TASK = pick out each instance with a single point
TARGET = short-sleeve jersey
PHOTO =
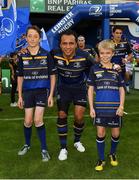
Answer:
(36, 69)
(106, 83)
(121, 50)
(75, 70)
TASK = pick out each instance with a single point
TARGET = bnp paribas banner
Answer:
(63, 6)
(6, 80)
(37, 5)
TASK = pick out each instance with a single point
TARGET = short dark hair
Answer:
(117, 27)
(34, 27)
(69, 32)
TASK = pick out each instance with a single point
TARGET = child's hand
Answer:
(20, 102)
(92, 113)
(120, 111)
(50, 101)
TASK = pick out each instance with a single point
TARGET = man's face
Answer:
(33, 38)
(81, 43)
(68, 46)
(117, 35)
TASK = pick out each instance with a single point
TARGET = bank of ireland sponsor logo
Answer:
(95, 10)
(34, 73)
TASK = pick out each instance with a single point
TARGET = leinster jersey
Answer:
(36, 69)
(121, 50)
(106, 83)
(75, 70)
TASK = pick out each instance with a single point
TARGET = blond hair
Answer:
(106, 44)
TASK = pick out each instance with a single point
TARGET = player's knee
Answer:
(101, 134)
(38, 123)
(79, 118)
(62, 115)
(115, 135)
(28, 123)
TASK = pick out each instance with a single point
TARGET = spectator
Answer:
(13, 67)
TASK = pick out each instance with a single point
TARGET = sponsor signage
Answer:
(6, 80)
(63, 6)
(37, 5)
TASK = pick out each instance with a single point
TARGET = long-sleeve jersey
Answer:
(106, 83)
(75, 70)
(36, 69)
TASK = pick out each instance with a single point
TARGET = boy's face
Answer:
(105, 55)
(33, 38)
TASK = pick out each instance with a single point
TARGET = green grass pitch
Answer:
(78, 165)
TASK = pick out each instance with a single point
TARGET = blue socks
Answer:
(62, 129)
(27, 134)
(42, 136)
(100, 147)
(114, 143)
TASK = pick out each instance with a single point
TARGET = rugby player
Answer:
(123, 52)
(72, 68)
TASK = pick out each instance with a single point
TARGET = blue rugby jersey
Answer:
(121, 50)
(106, 83)
(36, 69)
(75, 70)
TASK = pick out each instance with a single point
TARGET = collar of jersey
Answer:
(69, 60)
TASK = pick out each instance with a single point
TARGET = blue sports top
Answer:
(75, 70)
(121, 50)
(106, 83)
(36, 69)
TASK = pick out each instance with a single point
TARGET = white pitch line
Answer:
(54, 117)
(45, 117)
